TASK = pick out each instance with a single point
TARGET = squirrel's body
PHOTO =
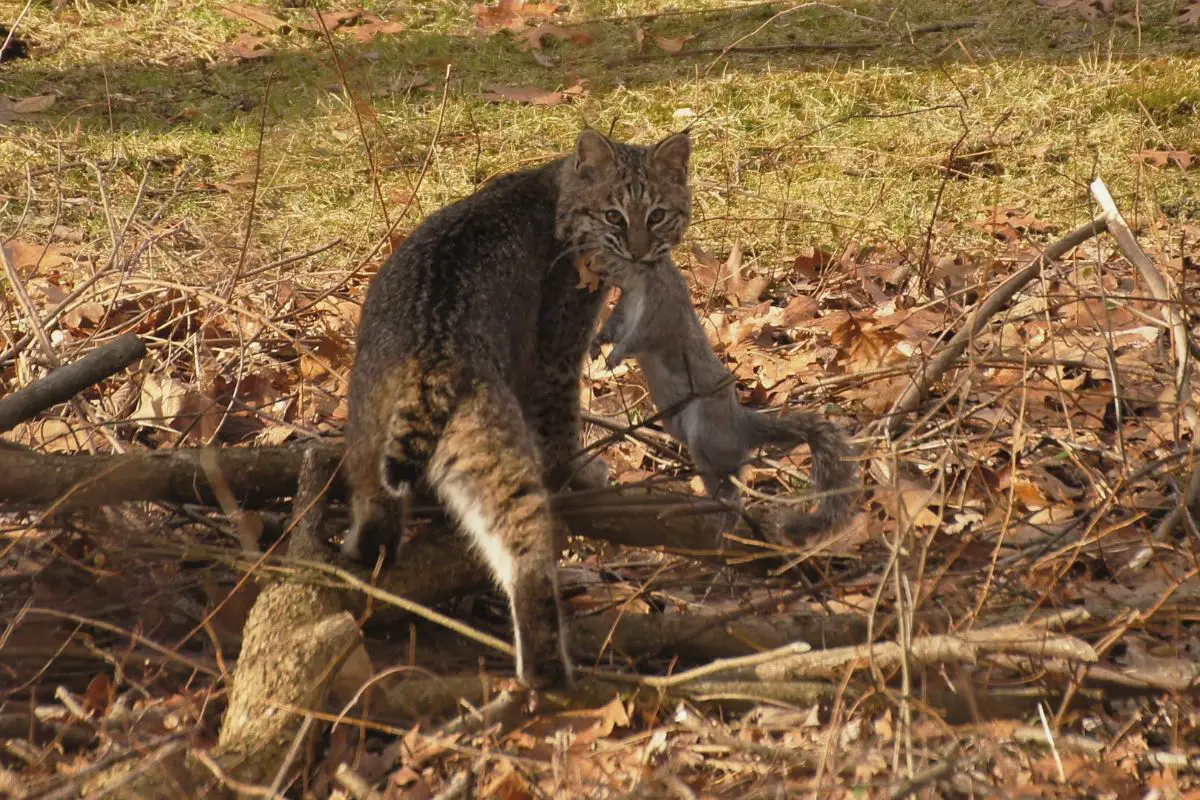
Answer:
(654, 321)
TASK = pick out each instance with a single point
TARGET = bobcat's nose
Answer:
(639, 241)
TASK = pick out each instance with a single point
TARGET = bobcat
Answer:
(469, 357)
(655, 322)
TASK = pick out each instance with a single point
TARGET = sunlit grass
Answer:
(793, 149)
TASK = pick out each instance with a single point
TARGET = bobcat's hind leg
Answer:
(376, 515)
(488, 471)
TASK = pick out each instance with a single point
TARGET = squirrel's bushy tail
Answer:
(833, 474)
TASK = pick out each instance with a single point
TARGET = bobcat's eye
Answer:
(614, 217)
(656, 216)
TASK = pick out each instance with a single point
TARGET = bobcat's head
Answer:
(625, 202)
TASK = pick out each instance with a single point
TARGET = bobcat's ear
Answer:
(672, 154)
(592, 152)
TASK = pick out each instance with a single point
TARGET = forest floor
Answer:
(224, 179)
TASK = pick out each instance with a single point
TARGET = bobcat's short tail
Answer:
(387, 455)
(421, 405)
(833, 475)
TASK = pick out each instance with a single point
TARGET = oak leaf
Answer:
(373, 26)
(29, 259)
(587, 279)
(532, 39)
(331, 19)
(256, 14)
(249, 46)
(530, 95)
(1161, 158)
(510, 14)
(673, 45)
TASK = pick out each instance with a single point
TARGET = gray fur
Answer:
(654, 322)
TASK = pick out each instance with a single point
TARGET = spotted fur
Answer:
(469, 355)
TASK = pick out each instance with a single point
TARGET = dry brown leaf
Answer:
(250, 13)
(84, 315)
(1088, 9)
(709, 274)
(32, 105)
(369, 30)
(328, 350)
(249, 46)
(98, 696)
(910, 504)
(47, 291)
(1160, 158)
(167, 401)
(1008, 223)
(510, 14)
(574, 88)
(332, 20)
(532, 38)
(346, 312)
(1188, 15)
(799, 308)
(29, 259)
(810, 262)
(1095, 312)
(673, 45)
(530, 95)
(741, 287)
(587, 278)
(867, 345)
(508, 784)
(232, 606)
(54, 435)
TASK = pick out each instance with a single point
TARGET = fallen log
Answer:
(633, 515)
(68, 483)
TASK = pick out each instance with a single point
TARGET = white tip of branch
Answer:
(1105, 199)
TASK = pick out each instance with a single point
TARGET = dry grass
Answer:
(1026, 489)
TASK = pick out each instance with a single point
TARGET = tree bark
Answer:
(632, 515)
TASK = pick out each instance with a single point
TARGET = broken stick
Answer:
(67, 381)
(940, 364)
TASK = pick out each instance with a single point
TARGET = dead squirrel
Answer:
(655, 322)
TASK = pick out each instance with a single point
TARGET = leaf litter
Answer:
(1063, 412)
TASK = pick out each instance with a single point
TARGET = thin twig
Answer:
(728, 665)
(258, 157)
(799, 7)
(1154, 279)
